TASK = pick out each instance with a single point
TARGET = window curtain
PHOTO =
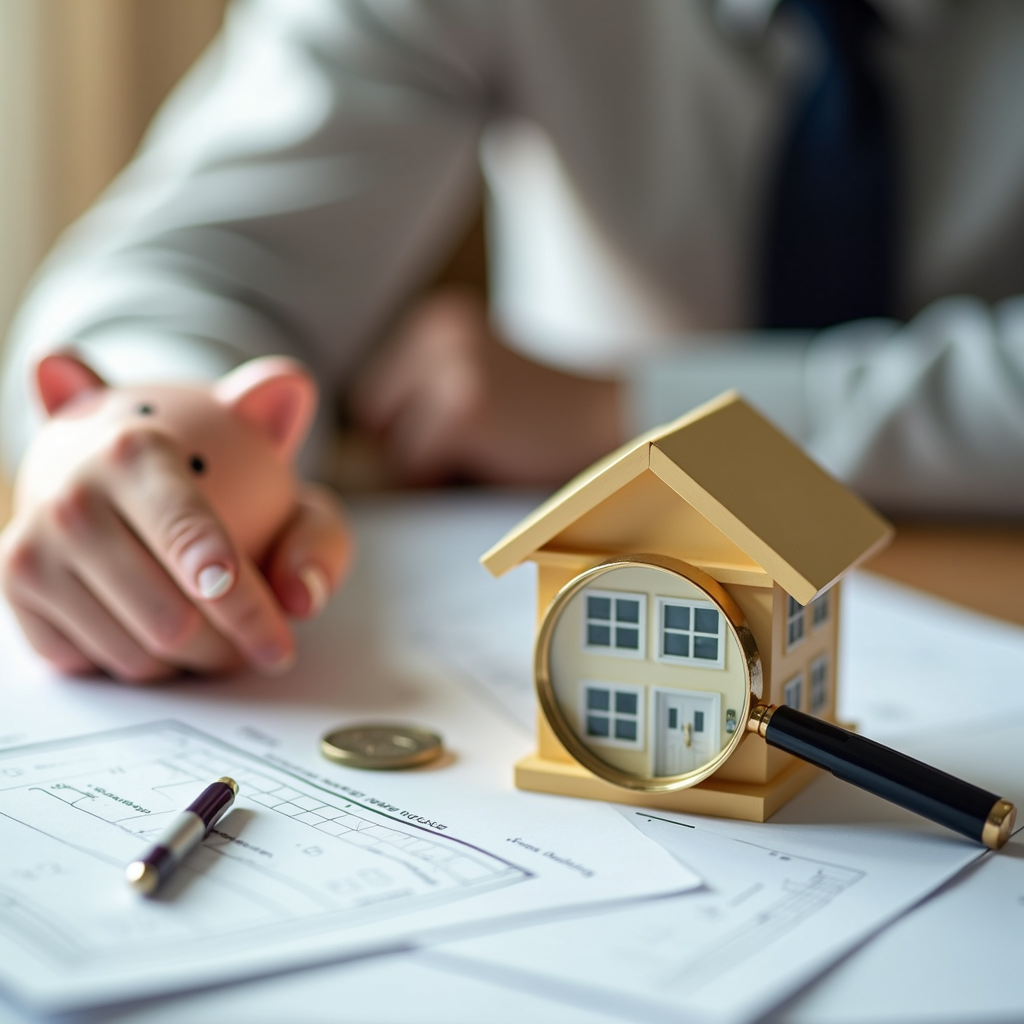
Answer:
(79, 81)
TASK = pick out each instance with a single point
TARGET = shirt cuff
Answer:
(767, 368)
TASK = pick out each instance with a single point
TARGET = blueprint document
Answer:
(778, 905)
(782, 901)
(957, 957)
(304, 867)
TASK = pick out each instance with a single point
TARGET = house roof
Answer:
(801, 525)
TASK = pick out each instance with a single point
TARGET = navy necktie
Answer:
(830, 232)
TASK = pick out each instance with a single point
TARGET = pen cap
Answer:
(214, 800)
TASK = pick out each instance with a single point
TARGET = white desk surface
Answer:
(944, 683)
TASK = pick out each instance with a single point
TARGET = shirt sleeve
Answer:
(297, 185)
(921, 418)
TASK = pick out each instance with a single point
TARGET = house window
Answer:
(613, 714)
(819, 685)
(793, 693)
(794, 622)
(614, 622)
(820, 610)
(690, 633)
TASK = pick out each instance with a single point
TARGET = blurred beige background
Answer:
(79, 80)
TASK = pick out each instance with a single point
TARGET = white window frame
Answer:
(693, 604)
(794, 683)
(792, 617)
(821, 610)
(612, 651)
(640, 717)
(823, 662)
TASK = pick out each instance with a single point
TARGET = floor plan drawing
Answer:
(775, 905)
(684, 950)
(291, 858)
(735, 921)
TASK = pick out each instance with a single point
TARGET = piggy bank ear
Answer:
(61, 377)
(274, 393)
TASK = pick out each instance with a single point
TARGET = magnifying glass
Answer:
(650, 677)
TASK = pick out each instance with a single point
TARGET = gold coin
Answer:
(381, 747)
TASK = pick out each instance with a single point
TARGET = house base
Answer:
(746, 801)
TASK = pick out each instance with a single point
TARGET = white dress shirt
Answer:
(309, 172)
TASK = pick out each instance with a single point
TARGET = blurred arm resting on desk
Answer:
(300, 183)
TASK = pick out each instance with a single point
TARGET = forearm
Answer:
(767, 369)
(287, 199)
(923, 418)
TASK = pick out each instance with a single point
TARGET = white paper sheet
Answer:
(416, 675)
(783, 901)
(478, 628)
(327, 871)
(309, 865)
(957, 957)
(908, 660)
(912, 663)
(393, 989)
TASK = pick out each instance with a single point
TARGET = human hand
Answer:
(141, 515)
(449, 400)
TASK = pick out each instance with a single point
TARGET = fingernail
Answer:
(274, 660)
(214, 581)
(314, 579)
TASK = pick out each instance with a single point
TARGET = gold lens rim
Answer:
(736, 622)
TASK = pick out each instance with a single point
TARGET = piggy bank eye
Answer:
(145, 409)
(198, 464)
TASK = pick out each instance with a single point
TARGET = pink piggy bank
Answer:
(237, 436)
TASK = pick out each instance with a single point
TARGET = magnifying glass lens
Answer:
(647, 675)
(645, 672)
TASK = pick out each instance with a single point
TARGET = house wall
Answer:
(554, 571)
(754, 760)
(791, 661)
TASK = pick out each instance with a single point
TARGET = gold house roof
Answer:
(776, 507)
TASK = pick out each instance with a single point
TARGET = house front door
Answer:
(686, 730)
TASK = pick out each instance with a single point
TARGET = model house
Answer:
(650, 669)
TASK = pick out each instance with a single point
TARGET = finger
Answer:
(387, 386)
(313, 554)
(76, 614)
(133, 586)
(26, 568)
(443, 329)
(415, 442)
(171, 516)
(431, 434)
(51, 644)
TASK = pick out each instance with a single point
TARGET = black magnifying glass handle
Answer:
(914, 785)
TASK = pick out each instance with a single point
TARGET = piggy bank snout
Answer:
(237, 438)
(250, 486)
